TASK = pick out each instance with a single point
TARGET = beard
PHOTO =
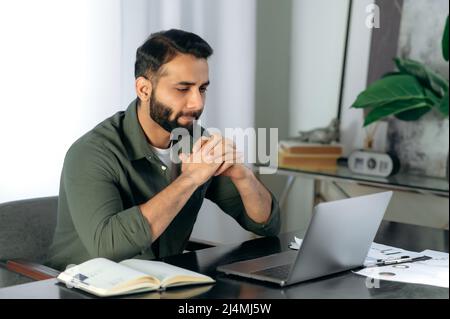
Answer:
(162, 114)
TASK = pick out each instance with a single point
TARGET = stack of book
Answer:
(308, 156)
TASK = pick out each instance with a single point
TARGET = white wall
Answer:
(58, 78)
(355, 81)
(318, 43)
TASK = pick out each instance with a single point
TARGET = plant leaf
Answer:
(414, 114)
(445, 42)
(391, 74)
(389, 89)
(443, 107)
(393, 108)
(432, 98)
(427, 77)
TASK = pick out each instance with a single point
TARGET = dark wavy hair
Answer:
(161, 47)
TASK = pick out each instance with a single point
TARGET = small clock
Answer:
(373, 163)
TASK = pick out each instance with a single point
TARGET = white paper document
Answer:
(428, 272)
(434, 271)
(377, 252)
(380, 252)
(296, 243)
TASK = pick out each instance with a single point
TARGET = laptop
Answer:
(338, 238)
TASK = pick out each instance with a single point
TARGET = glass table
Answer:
(399, 181)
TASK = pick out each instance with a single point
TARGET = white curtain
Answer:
(67, 65)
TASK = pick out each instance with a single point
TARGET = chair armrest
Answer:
(198, 244)
(31, 270)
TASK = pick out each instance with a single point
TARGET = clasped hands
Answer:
(213, 156)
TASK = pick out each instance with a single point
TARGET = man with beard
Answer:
(122, 195)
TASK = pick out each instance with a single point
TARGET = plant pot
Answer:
(421, 146)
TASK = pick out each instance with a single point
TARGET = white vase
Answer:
(421, 146)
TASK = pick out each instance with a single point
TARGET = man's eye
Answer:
(182, 89)
(203, 90)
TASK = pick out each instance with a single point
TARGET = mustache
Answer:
(195, 115)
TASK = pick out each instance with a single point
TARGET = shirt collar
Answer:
(137, 145)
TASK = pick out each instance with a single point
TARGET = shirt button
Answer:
(163, 168)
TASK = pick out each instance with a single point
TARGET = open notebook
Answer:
(103, 277)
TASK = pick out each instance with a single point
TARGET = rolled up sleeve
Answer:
(105, 227)
(224, 193)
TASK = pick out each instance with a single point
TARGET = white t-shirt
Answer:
(164, 156)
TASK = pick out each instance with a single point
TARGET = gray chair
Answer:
(26, 232)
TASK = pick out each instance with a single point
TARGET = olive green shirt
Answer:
(107, 173)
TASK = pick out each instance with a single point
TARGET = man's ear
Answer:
(143, 88)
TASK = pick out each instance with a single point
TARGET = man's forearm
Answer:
(161, 209)
(256, 198)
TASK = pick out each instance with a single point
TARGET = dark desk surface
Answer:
(343, 285)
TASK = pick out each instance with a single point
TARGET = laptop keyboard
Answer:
(279, 272)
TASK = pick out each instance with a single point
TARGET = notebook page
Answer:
(100, 273)
(159, 269)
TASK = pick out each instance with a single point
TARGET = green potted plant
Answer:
(408, 93)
